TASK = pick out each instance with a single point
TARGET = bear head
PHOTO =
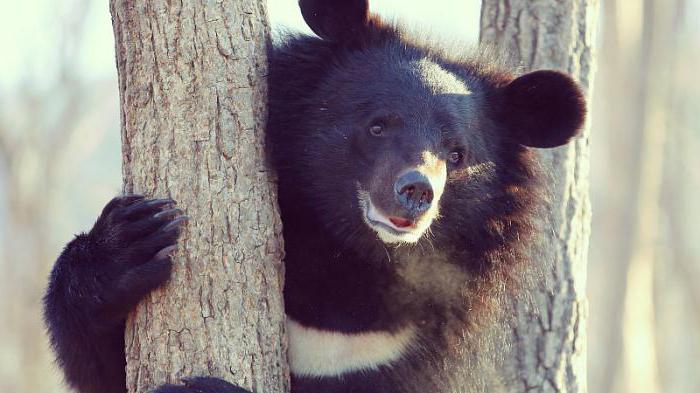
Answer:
(390, 139)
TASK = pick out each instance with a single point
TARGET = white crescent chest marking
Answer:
(322, 353)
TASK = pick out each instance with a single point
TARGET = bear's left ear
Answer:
(336, 20)
(541, 109)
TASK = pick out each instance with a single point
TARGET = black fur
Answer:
(521, 106)
(325, 93)
(101, 276)
(201, 385)
(340, 21)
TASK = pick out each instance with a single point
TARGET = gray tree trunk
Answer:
(193, 104)
(548, 352)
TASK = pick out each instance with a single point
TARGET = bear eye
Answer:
(376, 129)
(456, 157)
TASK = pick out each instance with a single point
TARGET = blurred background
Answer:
(60, 163)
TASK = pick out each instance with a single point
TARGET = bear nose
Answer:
(414, 192)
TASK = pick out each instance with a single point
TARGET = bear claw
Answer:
(165, 252)
(168, 212)
(174, 224)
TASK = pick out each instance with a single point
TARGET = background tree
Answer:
(548, 353)
(193, 101)
(640, 332)
(640, 370)
(39, 130)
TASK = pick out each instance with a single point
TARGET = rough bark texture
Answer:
(548, 353)
(193, 103)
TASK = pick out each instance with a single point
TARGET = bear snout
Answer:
(414, 192)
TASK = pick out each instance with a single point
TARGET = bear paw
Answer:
(125, 256)
(201, 385)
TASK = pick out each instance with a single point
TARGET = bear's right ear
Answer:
(336, 20)
(541, 109)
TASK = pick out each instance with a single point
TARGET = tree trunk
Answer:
(640, 359)
(193, 105)
(548, 340)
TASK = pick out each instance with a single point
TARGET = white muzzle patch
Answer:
(389, 233)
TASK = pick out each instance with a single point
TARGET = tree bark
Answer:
(193, 105)
(548, 340)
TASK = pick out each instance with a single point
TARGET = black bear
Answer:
(407, 189)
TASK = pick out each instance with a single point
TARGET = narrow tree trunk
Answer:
(549, 342)
(193, 102)
(640, 357)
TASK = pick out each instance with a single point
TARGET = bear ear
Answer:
(336, 20)
(542, 109)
